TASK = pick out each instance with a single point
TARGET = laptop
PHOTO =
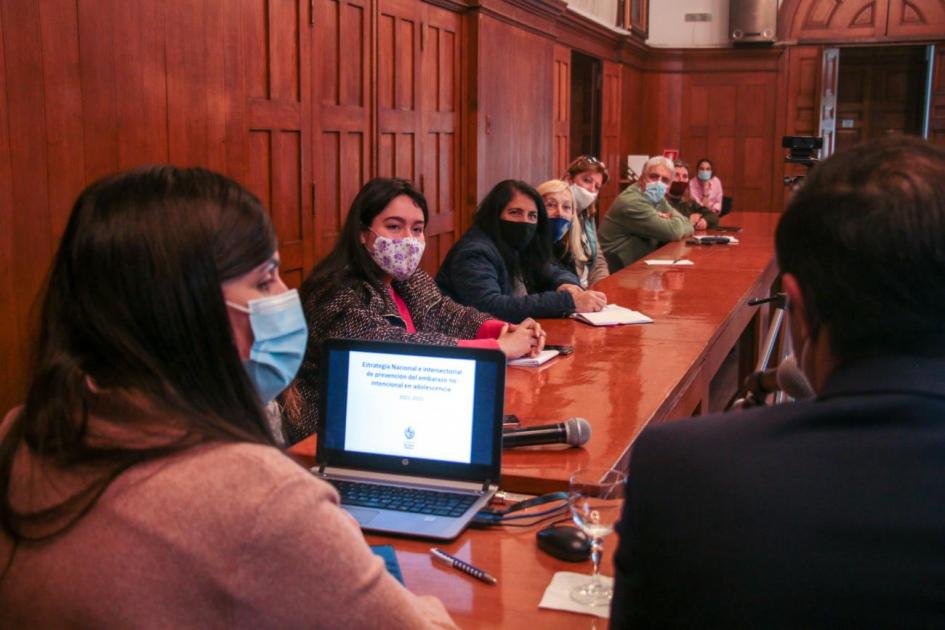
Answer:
(411, 435)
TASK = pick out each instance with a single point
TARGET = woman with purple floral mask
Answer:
(371, 286)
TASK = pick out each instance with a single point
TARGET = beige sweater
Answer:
(220, 536)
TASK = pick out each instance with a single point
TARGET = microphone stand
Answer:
(777, 332)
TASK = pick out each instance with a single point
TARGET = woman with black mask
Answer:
(503, 264)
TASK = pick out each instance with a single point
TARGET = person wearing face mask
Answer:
(585, 176)
(706, 188)
(641, 219)
(371, 287)
(828, 512)
(563, 220)
(140, 483)
(503, 263)
(679, 198)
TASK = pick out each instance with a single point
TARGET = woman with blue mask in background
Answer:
(565, 222)
(706, 188)
(140, 483)
(503, 263)
(641, 219)
(371, 287)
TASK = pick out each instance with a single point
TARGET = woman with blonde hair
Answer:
(586, 175)
(566, 232)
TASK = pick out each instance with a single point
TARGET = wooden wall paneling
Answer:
(342, 97)
(561, 107)
(631, 82)
(440, 147)
(12, 337)
(279, 172)
(611, 120)
(514, 138)
(728, 119)
(398, 92)
(937, 106)
(30, 228)
(663, 104)
(62, 110)
(100, 93)
(916, 19)
(831, 20)
(802, 115)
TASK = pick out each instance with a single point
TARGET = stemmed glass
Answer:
(595, 496)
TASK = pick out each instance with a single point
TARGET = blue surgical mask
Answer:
(705, 175)
(279, 339)
(654, 191)
(559, 227)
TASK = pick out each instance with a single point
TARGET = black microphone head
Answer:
(793, 381)
(577, 430)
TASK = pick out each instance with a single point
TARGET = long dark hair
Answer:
(134, 330)
(532, 264)
(349, 263)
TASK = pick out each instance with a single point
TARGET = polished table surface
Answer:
(619, 379)
(622, 378)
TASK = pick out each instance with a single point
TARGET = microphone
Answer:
(573, 431)
(787, 378)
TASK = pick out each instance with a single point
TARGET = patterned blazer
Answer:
(367, 311)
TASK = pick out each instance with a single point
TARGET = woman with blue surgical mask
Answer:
(140, 480)
(371, 286)
(641, 219)
(706, 188)
(564, 221)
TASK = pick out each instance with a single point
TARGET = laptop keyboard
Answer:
(403, 499)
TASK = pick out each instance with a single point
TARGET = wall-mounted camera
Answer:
(803, 149)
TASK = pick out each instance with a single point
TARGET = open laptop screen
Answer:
(412, 409)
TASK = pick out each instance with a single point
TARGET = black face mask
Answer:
(517, 234)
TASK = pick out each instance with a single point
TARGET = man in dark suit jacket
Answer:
(828, 512)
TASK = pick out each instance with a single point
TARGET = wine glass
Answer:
(595, 496)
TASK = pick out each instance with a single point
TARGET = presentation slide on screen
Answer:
(410, 406)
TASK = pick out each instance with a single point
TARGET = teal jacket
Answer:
(633, 227)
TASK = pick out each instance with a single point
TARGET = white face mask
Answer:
(583, 198)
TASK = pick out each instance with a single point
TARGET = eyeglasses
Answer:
(589, 160)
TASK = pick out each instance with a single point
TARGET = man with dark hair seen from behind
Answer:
(828, 512)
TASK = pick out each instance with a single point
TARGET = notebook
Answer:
(613, 315)
(543, 357)
(411, 435)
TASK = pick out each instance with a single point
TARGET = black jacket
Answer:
(828, 513)
(475, 274)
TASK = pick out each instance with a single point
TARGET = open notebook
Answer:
(613, 315)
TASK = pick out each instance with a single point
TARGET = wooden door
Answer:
(441, 49)
(880, 91)
(561, 109)
(829, 77)
(342, 104)
(610, 132)
(276, 40)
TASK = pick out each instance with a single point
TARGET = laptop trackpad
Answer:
(362, 515)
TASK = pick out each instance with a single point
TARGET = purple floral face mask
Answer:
(399, 257)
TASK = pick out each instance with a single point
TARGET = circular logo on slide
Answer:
(405, 462)
(409, 432)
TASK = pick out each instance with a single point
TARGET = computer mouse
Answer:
(565, 543)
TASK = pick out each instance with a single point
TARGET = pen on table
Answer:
(458, 564)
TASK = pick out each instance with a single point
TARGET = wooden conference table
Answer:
(620, 379)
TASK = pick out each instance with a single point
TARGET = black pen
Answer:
(456, 563)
